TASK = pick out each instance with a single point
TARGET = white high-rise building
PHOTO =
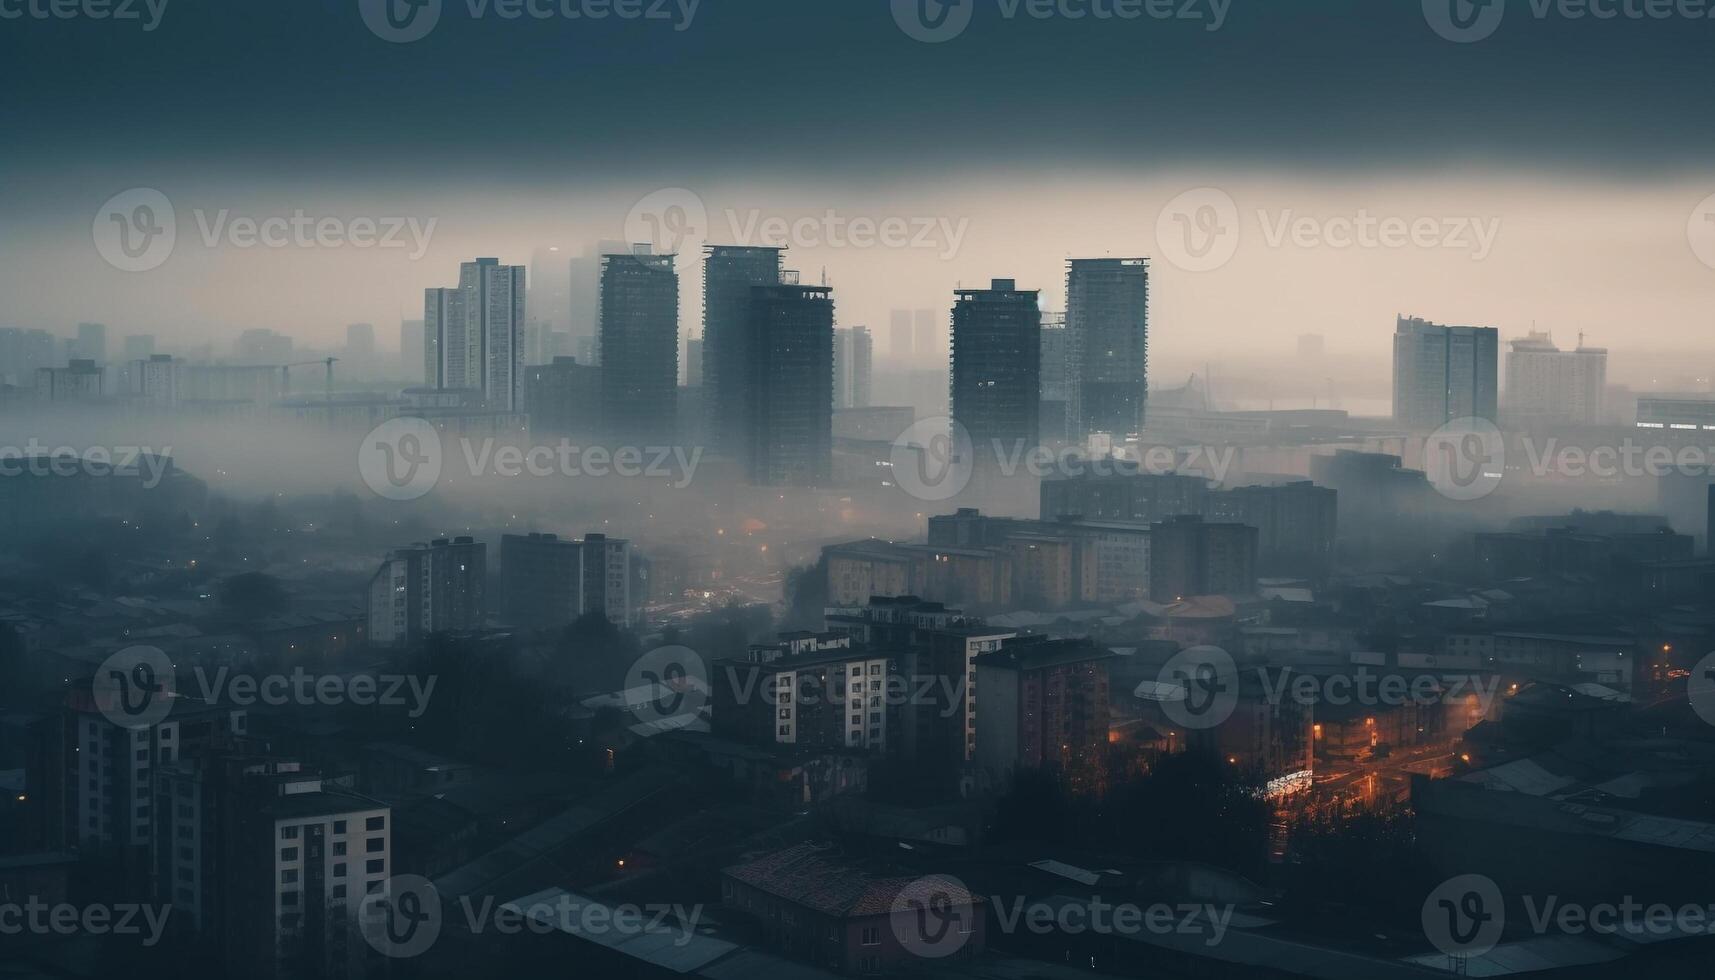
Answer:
(155, 381)
(474, 332)
(854, 355)
(1547, 384)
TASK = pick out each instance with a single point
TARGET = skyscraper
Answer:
(475, 332)
(1443, 373)
(789, 415)
(91, 343)
(1547, 384)
(22, 352)
(729, 274)
(550, 301)
(549, 582)
(853, 353)
(639, 345)
(427, 589)
(929, 337)
(899, 346)
(1107, 345)
(996, 366)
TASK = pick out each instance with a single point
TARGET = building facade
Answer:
(1444, 373)
(639, 347)
(997, 368)
(1107, 330)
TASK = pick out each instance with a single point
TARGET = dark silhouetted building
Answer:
(789, 410)
(997, 368)
(1107, 328)
(563, 398)
(550, 581)
(1044, 705)
(729, 274)
(639, 347)
(428, 589)
(1123, 493)
(1444, 373)
(1189, 557)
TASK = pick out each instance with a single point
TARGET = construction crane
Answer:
(286, 374)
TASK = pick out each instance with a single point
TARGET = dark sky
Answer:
(1585, 142)
(835, 84)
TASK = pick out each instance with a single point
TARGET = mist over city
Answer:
(501, 487)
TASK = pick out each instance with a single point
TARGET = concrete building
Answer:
(263, 347)
(1444, 373)
(1044, 706)
(430, 588)
(90, 344)
(474, 332)
(899, 340)
(155, 381)
(789, 413)
(1548, 385)
(833, 915)
(1191, 557)
(80, 382)
(1123, 492)
(730, 272)
(1296, 525)
(563, 398)
(639, 347)
(549, 582)
(275, 862)
(22, 353)
(996, 368)
(854, 354)
(833, 697)
(1107, 327)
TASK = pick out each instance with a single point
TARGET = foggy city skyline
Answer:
(490, 487)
